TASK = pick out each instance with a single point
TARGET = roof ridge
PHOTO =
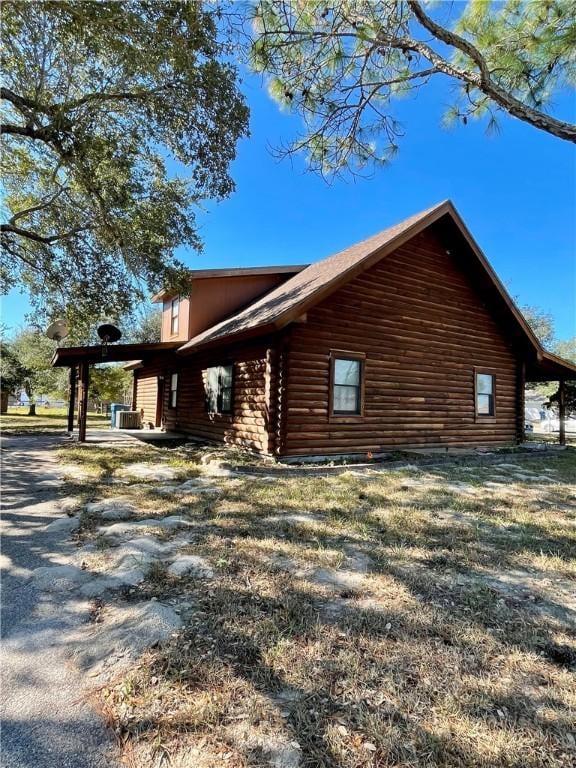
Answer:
(355, 254)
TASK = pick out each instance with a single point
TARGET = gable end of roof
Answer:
(293, 298)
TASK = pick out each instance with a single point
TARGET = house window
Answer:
(346, 386)
(173, 390)
(485, 394)
(174, 313)
(219, 389)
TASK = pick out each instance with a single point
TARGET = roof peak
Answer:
(282, 304)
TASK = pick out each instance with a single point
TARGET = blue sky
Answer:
(516, 191)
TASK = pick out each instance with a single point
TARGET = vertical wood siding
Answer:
(423, 325)
(146, 391)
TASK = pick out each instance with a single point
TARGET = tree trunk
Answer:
(4, 402)
(32, 409)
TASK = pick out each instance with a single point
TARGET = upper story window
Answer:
(485, 394)
(347, 374)
(219, 389)
(174, 314)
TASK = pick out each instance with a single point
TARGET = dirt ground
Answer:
(412, 617)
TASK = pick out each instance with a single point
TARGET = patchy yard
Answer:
(47, 420)
(413, 617)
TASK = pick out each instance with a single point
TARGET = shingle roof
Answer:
(294, 297)
(308, 285)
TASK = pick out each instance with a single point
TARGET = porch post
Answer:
(84, 374)
(72, 399)
(562, 412)
(521, 403)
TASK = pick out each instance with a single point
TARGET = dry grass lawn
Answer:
(46, 421)
(399, 618)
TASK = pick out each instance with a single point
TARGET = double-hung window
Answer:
(485, 394)
(173, 390)
(219, 389)
(174, 313)
(347, 375)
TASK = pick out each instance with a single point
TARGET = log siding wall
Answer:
(424, 327)
(247, 426)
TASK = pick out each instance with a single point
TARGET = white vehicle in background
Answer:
(545, 421)
(532, 417)
(553, 424)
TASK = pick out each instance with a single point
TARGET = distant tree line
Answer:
(25, 364)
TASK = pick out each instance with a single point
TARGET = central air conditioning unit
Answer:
(128, 420)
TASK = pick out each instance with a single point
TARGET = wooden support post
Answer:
(134, 390)
(84, 375)
(521, 403)
(562, 413)
(72, 399)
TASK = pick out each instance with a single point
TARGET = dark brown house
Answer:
(407, 339)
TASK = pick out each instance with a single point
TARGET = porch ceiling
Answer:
(549, 367)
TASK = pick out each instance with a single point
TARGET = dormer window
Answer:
(174, 312)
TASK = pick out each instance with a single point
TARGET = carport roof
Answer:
(66, 357)
(549, 367)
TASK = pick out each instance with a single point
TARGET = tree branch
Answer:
(483, 81)
(46, 240)
(41, 134)
(44, 203)
(115, 96)
(23, 103)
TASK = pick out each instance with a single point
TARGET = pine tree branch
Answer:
(483, 80)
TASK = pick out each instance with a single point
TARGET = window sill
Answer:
(342, 418)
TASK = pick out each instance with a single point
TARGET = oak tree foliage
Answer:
(144, 327)
(118, 119)
(542, 323)
(12, 372)
(341, 64)
(34, 351)
(110, 383)
(566, 349)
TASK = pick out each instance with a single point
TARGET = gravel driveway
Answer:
(46, 718)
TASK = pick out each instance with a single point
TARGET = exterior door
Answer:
(160, 401)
